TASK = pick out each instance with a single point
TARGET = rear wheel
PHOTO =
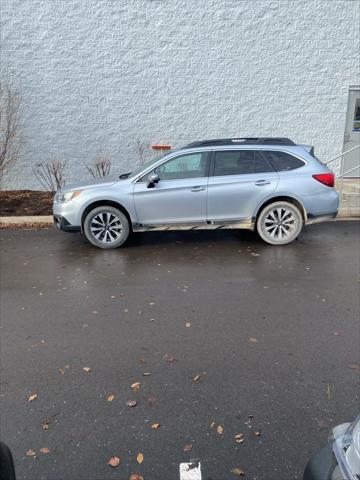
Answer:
(106, 227)
(279, 223)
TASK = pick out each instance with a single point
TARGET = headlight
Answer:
(61, 197)
(346, 446)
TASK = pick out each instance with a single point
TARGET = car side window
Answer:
(192, 165)
(240, 162)
(234, 162)
(282, 161)
(262, 165)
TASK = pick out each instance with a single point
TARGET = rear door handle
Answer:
(197, 189)
(260, 183)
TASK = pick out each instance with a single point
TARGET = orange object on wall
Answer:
(161, 147)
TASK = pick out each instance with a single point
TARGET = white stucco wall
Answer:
(96, 75)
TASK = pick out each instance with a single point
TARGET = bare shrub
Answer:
(51, 174)
(100, 168)
(140, 150)
(10, 127)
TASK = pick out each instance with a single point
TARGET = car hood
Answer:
(97, 182)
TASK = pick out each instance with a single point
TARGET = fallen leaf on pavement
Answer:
(87, 369)
(257, 433)
(111, 397)
(62, 371)
(355, 366)
(188, 447)
(188, 324)
(169, 358)
(45, 424)
(238, 471)
(136, 386)
(131, 403)
(196, 378)
(328, 391)
(239, 438)
(155, 426)
(30, 453)
(212, 424)
(323, 424)
(253, 340)
(32, 397)
(140, 458)
(114, 462)
(44, 450)
(220, 429)
(141, 360)
(136, 476)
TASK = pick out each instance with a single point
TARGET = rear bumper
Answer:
(320, 218)
(61, 223)
(321, 207)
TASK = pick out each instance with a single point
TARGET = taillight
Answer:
(327, 179)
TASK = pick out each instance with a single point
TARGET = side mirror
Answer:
(152, 179)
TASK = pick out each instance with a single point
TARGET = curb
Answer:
(30, 222)
(27, 219)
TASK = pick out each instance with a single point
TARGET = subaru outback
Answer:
(270, 185)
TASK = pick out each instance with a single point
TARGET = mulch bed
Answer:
(18, 203)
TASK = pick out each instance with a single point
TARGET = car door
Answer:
(239, 180)
(180, 195)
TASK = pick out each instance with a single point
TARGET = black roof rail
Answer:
(241, 141)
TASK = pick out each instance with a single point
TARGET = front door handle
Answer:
(197, 189)
(260, 183)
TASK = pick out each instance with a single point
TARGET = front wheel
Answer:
(106, 227)
(279, 223)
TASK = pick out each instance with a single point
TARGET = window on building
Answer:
(356, 123)
(282, 161)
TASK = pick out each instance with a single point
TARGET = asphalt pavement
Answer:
(225, 335)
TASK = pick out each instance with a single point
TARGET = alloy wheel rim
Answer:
(280, 223)
(106, 227)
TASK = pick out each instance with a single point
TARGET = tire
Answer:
(106, 227)
(7, 469)
(279, 223)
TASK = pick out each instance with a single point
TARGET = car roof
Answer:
(222, 142)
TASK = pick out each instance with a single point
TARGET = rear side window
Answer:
(282, 161)
(240, 162)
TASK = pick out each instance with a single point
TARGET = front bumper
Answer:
(61, 223)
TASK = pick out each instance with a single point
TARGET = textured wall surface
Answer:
(98, 75)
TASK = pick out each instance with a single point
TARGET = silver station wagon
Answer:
(270, 185)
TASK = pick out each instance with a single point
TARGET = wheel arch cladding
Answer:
(282, 198)
(104, 203)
